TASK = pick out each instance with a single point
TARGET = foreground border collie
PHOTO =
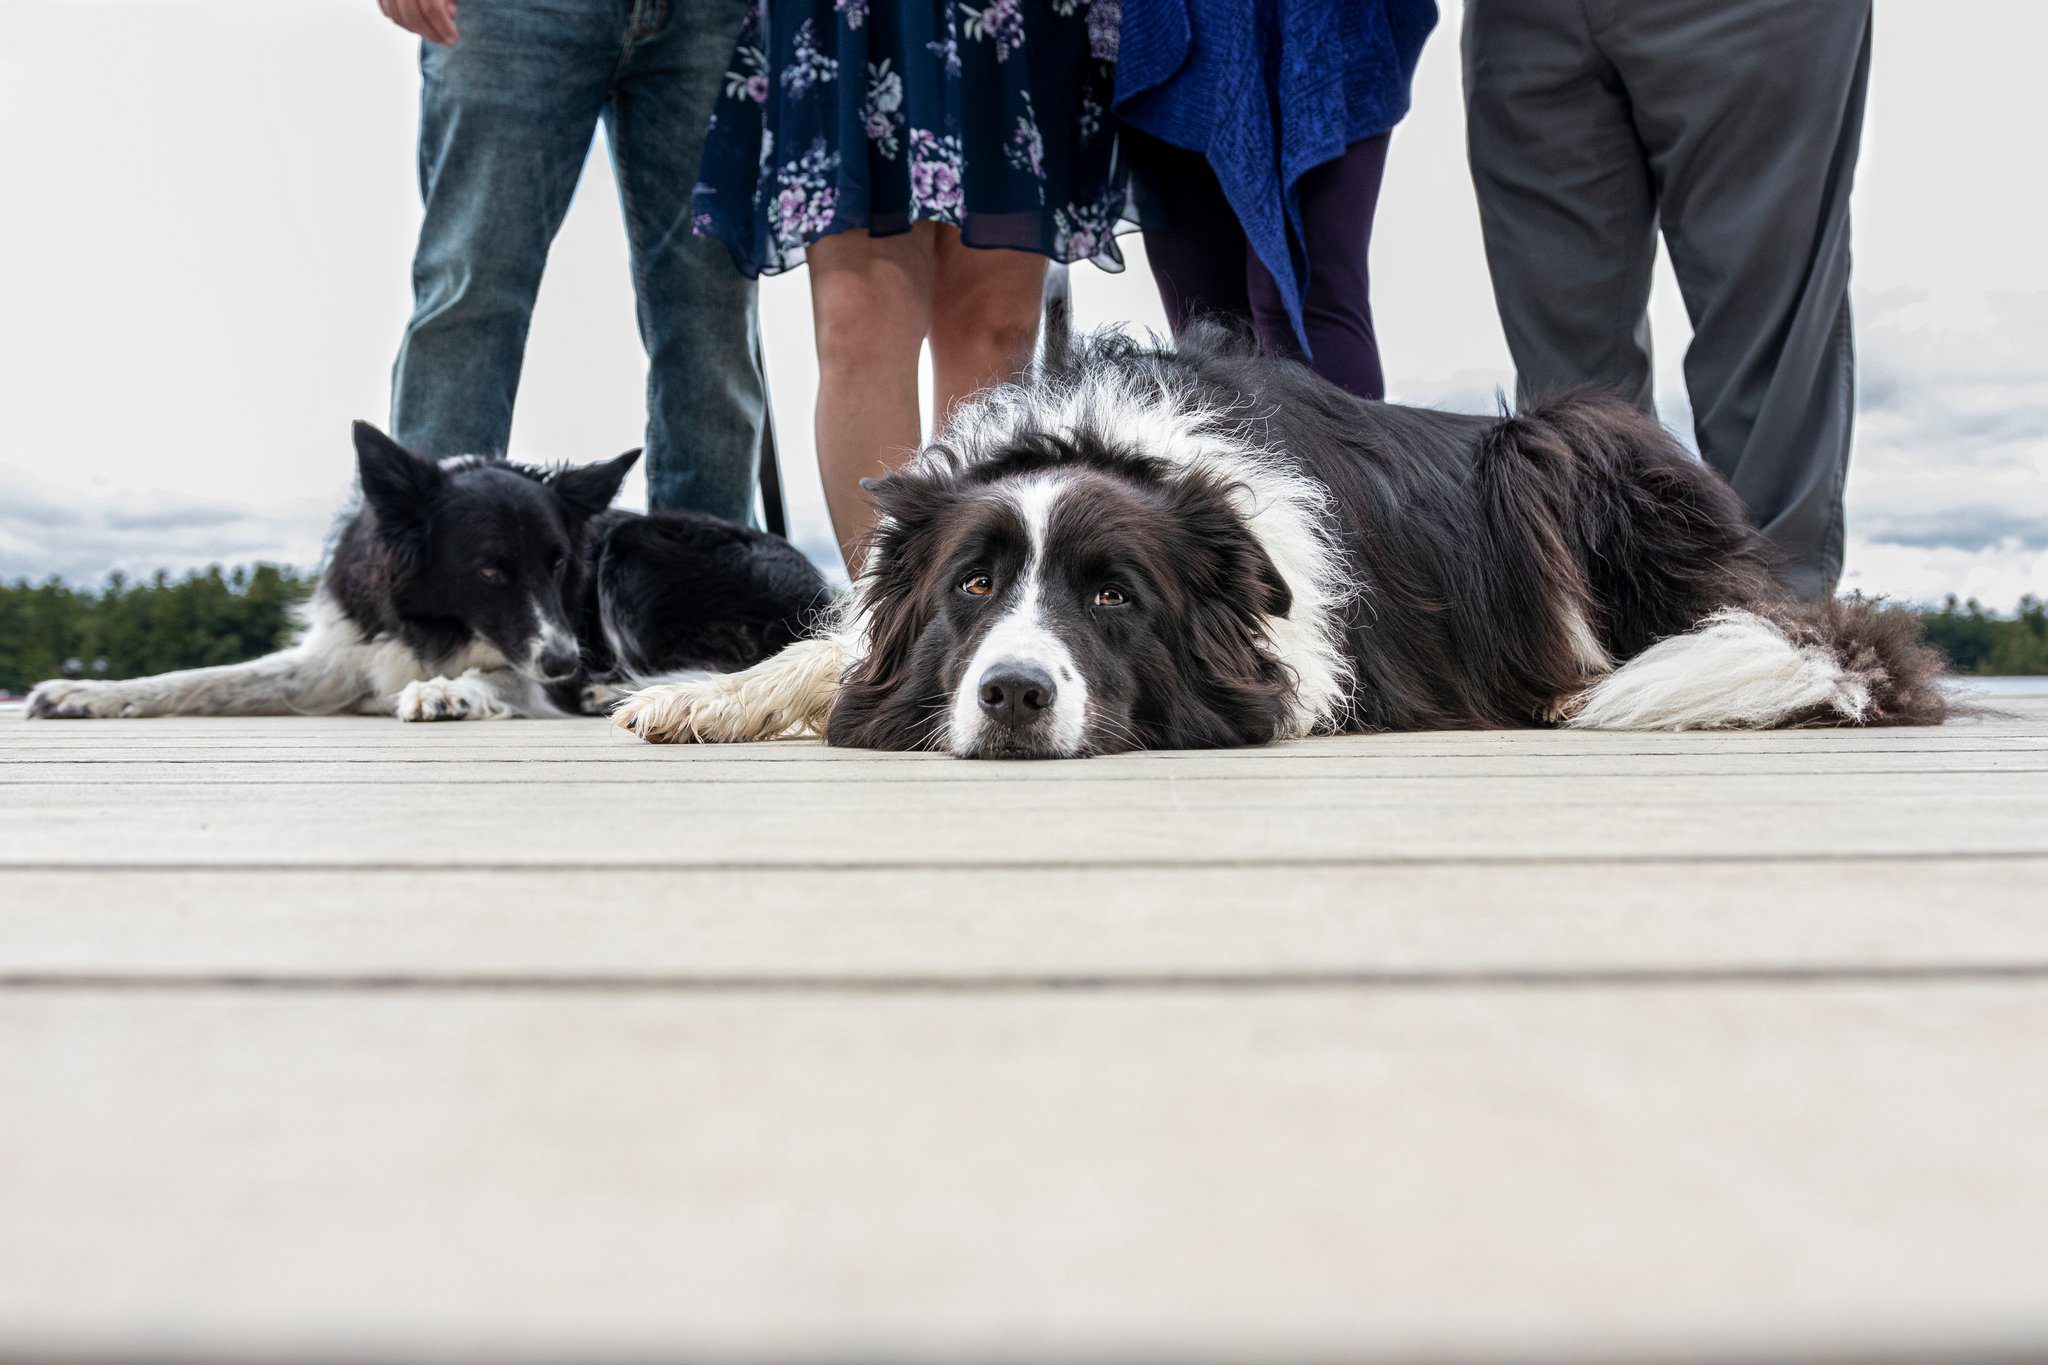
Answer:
(474, 588)
(1138, 548)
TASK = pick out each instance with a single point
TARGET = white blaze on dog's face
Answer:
(1022, 693)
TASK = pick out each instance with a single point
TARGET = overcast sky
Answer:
(210, 209)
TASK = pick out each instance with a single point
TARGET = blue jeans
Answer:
(506, 119)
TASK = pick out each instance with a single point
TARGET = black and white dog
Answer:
(1140, 548)
(474, 588)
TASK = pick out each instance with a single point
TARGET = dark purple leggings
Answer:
(1203, 264)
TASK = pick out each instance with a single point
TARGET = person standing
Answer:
(1257, 133)
(926, 158)
(512, 92)
(1734, 126)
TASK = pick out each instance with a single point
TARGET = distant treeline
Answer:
(126, 629)
(215, 616)
(1988, 644)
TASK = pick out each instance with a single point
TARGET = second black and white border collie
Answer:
(1144, 548)
(475, 589)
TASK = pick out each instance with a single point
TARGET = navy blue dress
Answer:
(877, 114)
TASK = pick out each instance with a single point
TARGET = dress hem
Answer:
(1111, 263)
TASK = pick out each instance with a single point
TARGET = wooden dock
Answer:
(343, 1040)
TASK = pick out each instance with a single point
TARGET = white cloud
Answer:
(47, 529)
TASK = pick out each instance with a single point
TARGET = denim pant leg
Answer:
(706, 400)
(506, 119)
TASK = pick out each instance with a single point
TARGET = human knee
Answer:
(987, 337)
(858, 333)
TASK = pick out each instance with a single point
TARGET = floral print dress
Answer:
(989, 115)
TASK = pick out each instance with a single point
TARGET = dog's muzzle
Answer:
(557, 664)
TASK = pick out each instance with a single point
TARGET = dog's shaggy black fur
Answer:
(1468, 572)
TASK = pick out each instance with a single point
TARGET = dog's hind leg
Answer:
(290, 682)
(782, 697)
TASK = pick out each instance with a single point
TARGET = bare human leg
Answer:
(871, 302)
(984, 317)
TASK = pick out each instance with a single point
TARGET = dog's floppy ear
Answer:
(397, 484)
(908, 498)
(1259, 566)
(1231, 554)
(589, 489)
(876, 707)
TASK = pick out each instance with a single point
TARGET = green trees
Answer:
(127, 629)
(1983, 643)
(214, 616)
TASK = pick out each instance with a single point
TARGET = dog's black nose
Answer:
(558, 662)
(1017, 694)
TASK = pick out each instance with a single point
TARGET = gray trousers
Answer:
(1733, 125)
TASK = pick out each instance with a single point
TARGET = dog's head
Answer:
(1061, 599)
(489, 546)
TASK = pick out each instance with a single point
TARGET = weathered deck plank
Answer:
(510, 1042)
(1343, 1175)
(1421, 921)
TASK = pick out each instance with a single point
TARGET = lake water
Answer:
(2007, 687)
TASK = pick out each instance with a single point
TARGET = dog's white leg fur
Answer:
(331, 670)
(1735, 671)
(783, 697)
(290, 682)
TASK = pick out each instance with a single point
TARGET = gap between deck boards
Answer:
(1930, 974)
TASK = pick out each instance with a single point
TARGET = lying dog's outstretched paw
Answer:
(434, 699)
(449, 699)
(786, 696)
(63, 699)
(669, 713)
(598, 698)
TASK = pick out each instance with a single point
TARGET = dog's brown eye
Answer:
(977, 585)
(1111, 597)
(492, 573)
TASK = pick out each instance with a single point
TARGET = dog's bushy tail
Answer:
(1853, 661)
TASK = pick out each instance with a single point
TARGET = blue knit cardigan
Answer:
(1269, 89)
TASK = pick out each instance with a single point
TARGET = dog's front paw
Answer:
(672, 713)
(788, 695)
(65, 699)
(448, 699)
(434, 699)
(598, 699)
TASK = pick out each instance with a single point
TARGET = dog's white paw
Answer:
(449, 699)
(677, 713)
(84, 699)
(786, 696)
